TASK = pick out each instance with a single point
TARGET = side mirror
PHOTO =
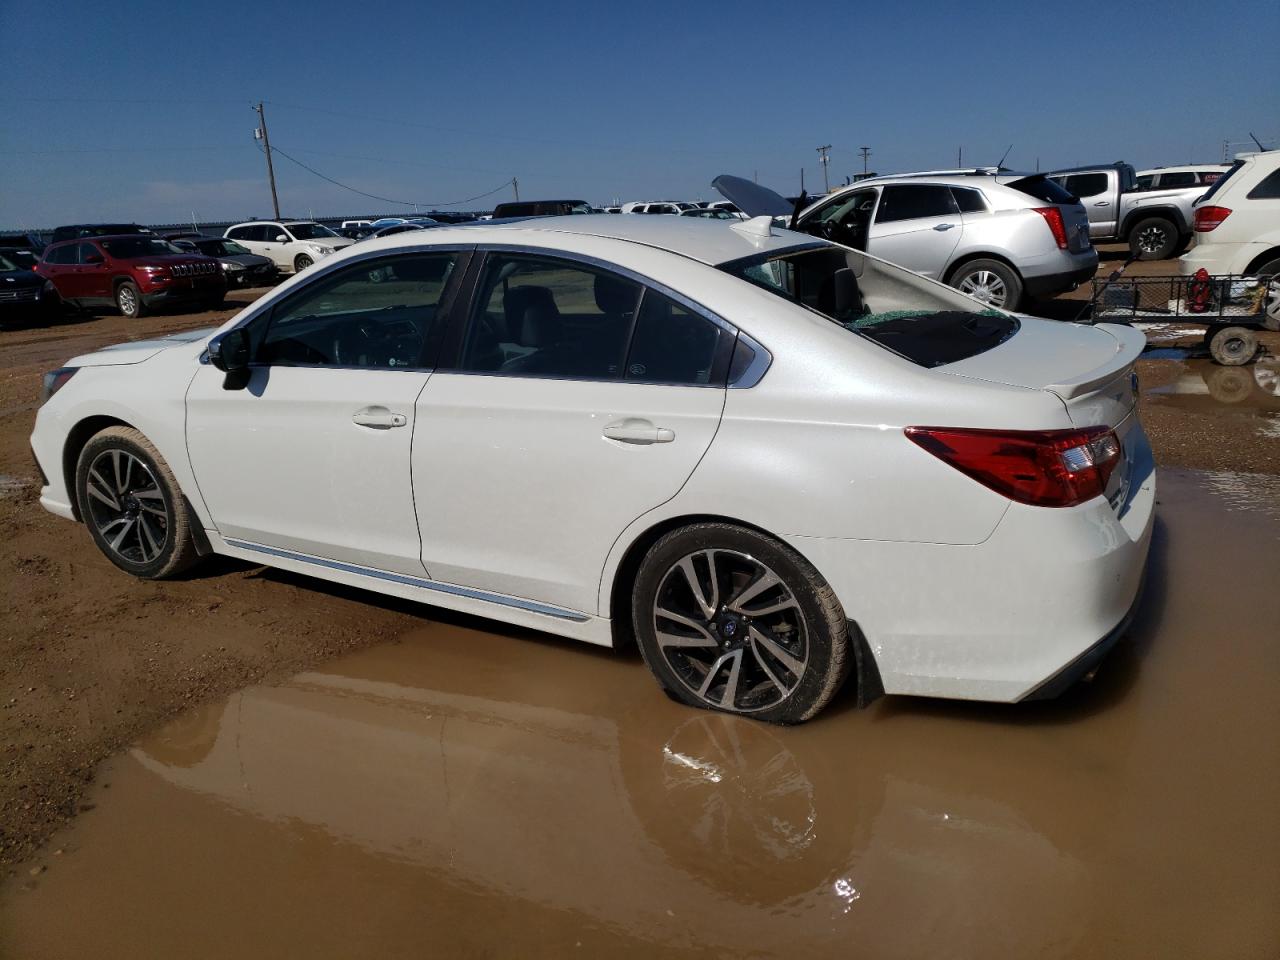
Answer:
(229, 352)
(93, 258)
(281, 238)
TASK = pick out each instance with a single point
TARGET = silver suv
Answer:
(998, 236)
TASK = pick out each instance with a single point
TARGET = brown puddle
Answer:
(1251, 392)
(467, 793)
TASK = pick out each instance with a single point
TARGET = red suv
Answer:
(132, 273)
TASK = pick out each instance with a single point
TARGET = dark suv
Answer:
(134, 273)
(75, 231)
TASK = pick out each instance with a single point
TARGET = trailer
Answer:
(1232, 308)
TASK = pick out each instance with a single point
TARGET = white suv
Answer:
(293, 245)
(1237, 225)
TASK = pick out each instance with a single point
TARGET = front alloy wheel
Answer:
(132, 505)
(731, 620)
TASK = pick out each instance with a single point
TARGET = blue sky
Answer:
(141, 110)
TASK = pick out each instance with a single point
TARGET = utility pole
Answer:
(515, 185)
(271, 170)
(802, 181)
(824, 160)
(960, 157)
(866, 152)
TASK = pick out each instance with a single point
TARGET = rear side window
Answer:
(1183, 178)
(542, 317)
(1146, 181)
(1086, 184)
(61, 255)
(1268, 189)
(672, 344)
(914, 201)
(239, 233)
(1220, 182)
(1042, 188)
(969, 201)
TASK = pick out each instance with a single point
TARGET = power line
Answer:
(374, 196)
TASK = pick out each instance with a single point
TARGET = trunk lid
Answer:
(1089, 368)
(751, 198)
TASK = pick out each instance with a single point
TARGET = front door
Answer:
(578, 401)
(313, 457)
(917, 226)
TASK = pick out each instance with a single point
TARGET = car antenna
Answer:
(1000, 165)
(1257, 141)
(802, 201)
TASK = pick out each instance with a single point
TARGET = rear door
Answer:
(94, 279)
(578, 400)
(917, 226)
(1100, 194)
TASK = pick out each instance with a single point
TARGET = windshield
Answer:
(7, 265)
(916, 319)
(1040, 188)
(311, 231)
(1220, 182)
(127, 248)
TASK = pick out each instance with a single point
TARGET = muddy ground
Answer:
(91, 660)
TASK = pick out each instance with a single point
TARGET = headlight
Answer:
(54, 381)
(316, 248)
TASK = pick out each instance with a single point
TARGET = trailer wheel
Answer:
(1233, 346)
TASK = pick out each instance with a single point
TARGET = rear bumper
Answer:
(1218, 259)
(1081, 269)
(1002, 619)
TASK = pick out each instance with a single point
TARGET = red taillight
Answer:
(1045, 468)
(1210, 218)
(1053, 217)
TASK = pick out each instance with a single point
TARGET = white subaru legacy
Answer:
(770, 460)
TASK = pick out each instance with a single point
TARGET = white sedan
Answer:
(770, 460)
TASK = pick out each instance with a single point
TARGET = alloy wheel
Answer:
(731, 630)
(127, 506)
(1152, 240)
(985, 285)
(127, 302)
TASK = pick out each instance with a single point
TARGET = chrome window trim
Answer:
(452, 589)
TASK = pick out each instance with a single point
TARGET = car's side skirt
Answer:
(515, 610)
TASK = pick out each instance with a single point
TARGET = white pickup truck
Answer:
(1157, 224)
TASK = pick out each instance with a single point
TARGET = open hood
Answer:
(751, 198)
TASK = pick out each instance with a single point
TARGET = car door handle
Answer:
(635, 430)
(378, 418)
(1103, 203)
(943, 226)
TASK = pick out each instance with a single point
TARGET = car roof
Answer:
(712, 242)
(1184, 168)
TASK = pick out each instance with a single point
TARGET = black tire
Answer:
(1154, 238)
(1233, 346)
(990, 281)
(145, 533)
(781, 666)
(129, 300)
(301, 262)
(1271, 310)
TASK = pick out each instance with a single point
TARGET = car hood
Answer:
(13, 279)
(1070, 360)
(247, 259)
(334, 242)
(135, 351)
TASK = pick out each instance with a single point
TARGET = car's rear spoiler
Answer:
(1129, 345)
